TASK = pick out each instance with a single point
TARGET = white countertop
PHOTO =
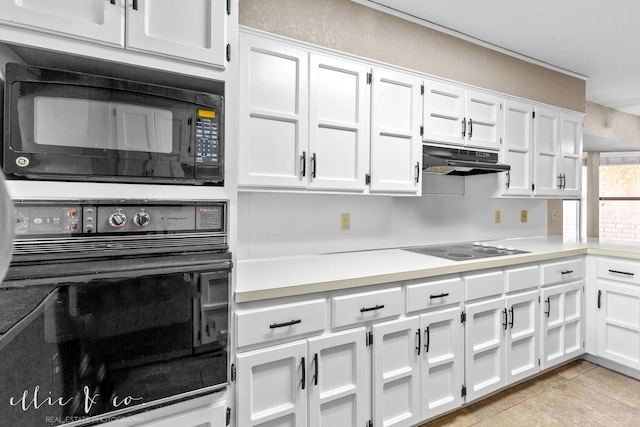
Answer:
(288, 276)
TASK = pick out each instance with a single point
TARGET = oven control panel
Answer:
(76, 218)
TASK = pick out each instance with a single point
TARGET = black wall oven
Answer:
(69, 125)
(112, 307)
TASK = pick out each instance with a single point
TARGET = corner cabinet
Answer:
(318, 122)
(190, 30)
(618, 311)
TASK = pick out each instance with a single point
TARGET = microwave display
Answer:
(65, 125)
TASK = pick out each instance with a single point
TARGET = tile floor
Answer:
(577, 394)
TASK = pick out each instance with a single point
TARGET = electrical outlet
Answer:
(345, 221)
(554, 215)
(496, 217)
(523, 215)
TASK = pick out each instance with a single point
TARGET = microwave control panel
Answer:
(207, 137)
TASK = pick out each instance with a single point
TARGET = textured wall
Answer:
(350, 27)
(611, 124)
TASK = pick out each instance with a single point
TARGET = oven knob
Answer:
(141, 219)
(117, 219)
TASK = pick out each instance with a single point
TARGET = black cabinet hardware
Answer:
(599, 298)
(303, 159)
(470, 128)
(622, 273)
(315, 369)
(548, 301)
(377, 307)
(442, 295)
(511, 322)
(282, 325)
(419, 341)
(428, 340)
(566, 272)
(304, 373)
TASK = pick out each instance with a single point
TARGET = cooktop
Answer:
(465, 251)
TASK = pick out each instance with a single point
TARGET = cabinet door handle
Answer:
(113, 1)
(315, 369)
(313, 165)
(282, 325)
(135, 4)
(427, 340)
(303, 160)
(442, 295)
(508, 183)
(377, 307)
(304, 373)
(505, 319)
(622, 273)
(417, 172)
(470, 128)
(599, 297)
(419, 341)
(548, 302)
(566, 272)
(512, 317)
(559, 179)
(464, 127)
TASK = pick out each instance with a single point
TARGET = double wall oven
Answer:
(111, 307)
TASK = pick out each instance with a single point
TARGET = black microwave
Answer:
(71, 126)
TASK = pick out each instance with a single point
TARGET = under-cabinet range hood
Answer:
(461, 162)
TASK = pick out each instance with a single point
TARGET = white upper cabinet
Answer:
(459, 116)
(191, 30)
(274, 115)
(396, 148)
(97, 20)
(558, 153)
(338, 124)
(518, 147)
(194, 30)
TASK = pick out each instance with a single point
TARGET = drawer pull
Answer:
(282, 325)
(442, 295)
(377, 307)
(622, 273)
(566, 272)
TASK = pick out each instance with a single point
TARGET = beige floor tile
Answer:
(586, 407)
(575, 368)
(527, 414)
(496, 403)
(459, 418)
(540, 384)
(617, 386)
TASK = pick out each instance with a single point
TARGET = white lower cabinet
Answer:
(561, 323)
(522, 335)
(315, 382)
(618, 311)
(441, 361)
(484, 347)
(396, 386)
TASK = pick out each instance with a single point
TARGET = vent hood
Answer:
(460, 162)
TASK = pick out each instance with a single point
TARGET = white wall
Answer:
(282, 224)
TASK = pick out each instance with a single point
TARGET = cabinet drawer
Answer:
(366, 306)
(519, 279)
(483, 285)
(621, 271)
(423, 296)
(561, 271)
(279, 321)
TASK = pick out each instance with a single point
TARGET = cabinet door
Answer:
(194, 30)
(571, 154)
(396, 147)
(618, 323)
(441, 362)
(96, 20)
(274, 115)
(484, 120)
(395, 373)
(336, 379)
(443, 112)
(484, 347)
(546, 141)
(518, 147)
(561, 320)
(522, 338)
(338, 124)
(271, 386)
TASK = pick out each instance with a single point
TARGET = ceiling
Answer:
(594, 39)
